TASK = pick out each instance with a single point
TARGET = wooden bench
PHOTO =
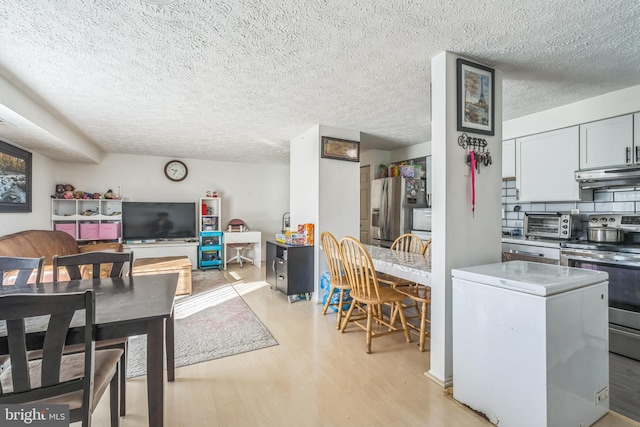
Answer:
(169, 264)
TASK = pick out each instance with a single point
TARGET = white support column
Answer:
(460, 239)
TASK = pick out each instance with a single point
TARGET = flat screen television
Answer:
(158, 221)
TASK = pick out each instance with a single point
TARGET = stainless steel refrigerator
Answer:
(392, 203)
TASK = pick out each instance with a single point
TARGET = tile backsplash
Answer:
(623, 200)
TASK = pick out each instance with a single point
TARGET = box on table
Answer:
(89, 230)
(109, 231)
(67, 228)
(305, 231)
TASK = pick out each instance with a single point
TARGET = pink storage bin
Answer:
(67, 228)
(109, 231)
(89, 230)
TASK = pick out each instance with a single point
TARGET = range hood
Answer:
(609, 178)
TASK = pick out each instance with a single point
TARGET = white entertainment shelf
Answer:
(163, 249)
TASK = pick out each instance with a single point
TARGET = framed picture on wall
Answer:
(15, 179)
(340, 149)
(476, 103)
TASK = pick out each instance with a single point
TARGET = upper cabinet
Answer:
(509, 158)
(546, 163)
(609, 143)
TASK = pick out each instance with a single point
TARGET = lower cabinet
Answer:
(290, 268)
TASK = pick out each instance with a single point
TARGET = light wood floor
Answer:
(314, 377)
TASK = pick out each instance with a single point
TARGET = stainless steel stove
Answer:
(622, 262)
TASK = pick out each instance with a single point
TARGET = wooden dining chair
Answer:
(407, 242)
(78, 380)
(18, 271)
(421, 295)
(338, 281)
(365, 290)
(112, 264)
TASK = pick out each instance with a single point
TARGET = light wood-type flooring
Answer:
(314, 377)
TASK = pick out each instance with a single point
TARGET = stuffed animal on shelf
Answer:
(109, 194)
(68, 191)
(59, 191)
(78, 194)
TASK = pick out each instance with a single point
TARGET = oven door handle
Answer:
(526, 253)
(630, 262)
(613, 328)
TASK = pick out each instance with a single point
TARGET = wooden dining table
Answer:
(125, 307)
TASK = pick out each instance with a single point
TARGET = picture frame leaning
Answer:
(476, 98)
(15, 179)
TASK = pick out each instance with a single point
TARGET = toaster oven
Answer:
(553, 225)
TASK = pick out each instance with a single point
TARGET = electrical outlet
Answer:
(602, 395)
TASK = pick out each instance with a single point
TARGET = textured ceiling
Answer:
(236, 80)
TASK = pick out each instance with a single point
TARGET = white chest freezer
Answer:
(531, 343)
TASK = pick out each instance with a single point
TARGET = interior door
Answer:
(365, 204)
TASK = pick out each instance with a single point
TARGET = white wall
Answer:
(43, 186)
(418, 150)
(375, 158)
(324, 192)
(600, 107)
(304, 155)
(259, 194)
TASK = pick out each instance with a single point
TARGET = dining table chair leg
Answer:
(328, 302)
(340, 308)
(345, 322)
(114, 391)
(370, 310)
(423, 326)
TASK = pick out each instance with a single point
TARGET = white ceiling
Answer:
(236, 80)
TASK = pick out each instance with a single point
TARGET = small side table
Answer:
(169, 264)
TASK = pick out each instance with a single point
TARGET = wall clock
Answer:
(175, 170)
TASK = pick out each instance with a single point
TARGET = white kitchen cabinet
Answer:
(509, 158)
(546, 163)
(608, 142)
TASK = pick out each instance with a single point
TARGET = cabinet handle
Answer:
(273, 265)
(628, 154)
(637, 153)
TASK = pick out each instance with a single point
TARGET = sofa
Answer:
(37, 243)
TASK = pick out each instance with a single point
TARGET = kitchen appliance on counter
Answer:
(530, 343)
(614, 228)
(554, 225)
(392, 203)
(421, 224)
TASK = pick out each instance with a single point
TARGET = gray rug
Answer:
(211, 323)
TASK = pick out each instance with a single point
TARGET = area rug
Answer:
(211, 323)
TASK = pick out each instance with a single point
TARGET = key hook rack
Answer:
(479, 148)
(466, 141)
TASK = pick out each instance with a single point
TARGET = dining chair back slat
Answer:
(408, 242)
(25, 268)
(74, 263)
(16, 310)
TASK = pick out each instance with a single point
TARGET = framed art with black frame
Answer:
(340, 149)
(476, 105)
(15, 179)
